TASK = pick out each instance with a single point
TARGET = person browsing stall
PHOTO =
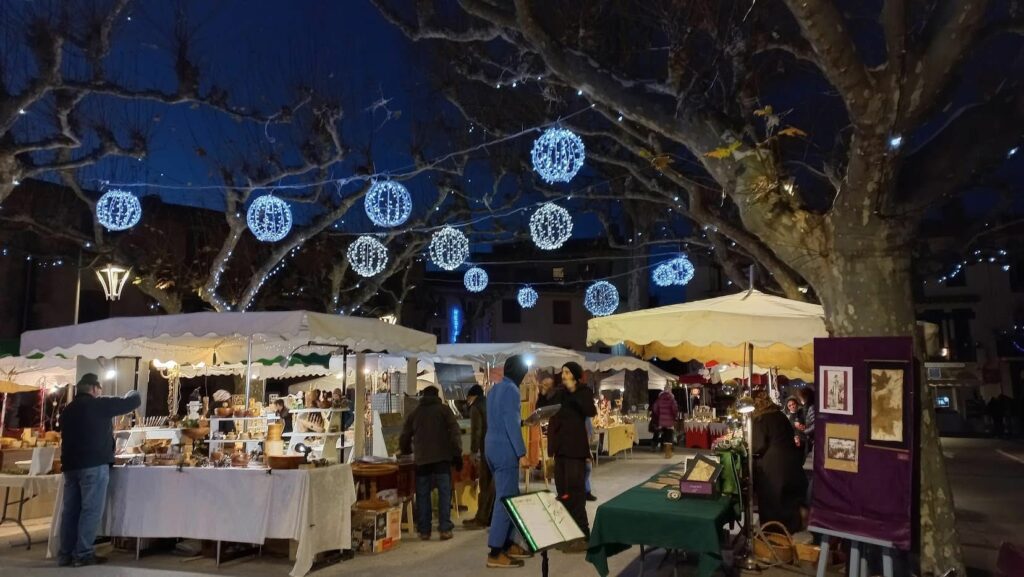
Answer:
(86, 454)
(569, 444)
(432, 435)
(477, 432)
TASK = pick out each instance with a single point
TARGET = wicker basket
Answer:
(775, 548)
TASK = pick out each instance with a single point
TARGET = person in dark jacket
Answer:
(779, 479)
(477, 431)
(795, 413)
(569, 444)
(664, 414)
(432, 435)
(86, 454)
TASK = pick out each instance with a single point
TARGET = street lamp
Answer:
(113, 279)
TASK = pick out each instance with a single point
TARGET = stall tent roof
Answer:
(223, 337)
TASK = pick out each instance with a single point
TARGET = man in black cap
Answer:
(87, 452)
(477, 431)
(432, 435)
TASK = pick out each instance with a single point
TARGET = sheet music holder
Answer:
(541, 415)
(543, 521)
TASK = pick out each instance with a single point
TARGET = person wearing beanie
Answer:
(477, 431)
(569, 444)
(504, 447)
(86, 454)
(432, 435)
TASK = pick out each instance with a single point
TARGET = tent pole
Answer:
(248, 372)
(3, 414)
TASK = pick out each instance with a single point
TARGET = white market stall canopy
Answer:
(657, 379)
(782, 331)
(21, 374)
(494, 354)
(218, 338)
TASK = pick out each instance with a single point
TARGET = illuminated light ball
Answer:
(664, 275)
(602, 298)
(367, 256)
(449, 248)
(527, 297)
(269, 218)
(475, 279)
(388, 203)
(683, 268)
(558, 155)
(118, 210)
(550, 226)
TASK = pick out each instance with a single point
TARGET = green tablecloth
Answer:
(643, 516)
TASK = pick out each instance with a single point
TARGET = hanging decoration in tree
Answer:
(367, 256)
(601, 299)
(550, 226)
(269, 218)
(558, 155)
(678, 271)
(527, 297)
(475, 279)
(388, 203)
(118, 210)
(449, 248)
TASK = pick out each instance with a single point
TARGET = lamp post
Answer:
(113, 278)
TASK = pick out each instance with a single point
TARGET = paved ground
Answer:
(987, 478)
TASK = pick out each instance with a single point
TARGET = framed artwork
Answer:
(702, 470)
(842, 447)
(836, 390)
(887, 403)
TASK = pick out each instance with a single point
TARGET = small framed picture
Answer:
(842, 447)
(887, 403)
(702, 470)
(836, 390)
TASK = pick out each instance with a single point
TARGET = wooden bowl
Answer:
(196, 434)
(285, 461)
(224, 412)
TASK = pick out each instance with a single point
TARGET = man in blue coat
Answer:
(503, 448)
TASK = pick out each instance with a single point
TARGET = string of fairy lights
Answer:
(557, 156)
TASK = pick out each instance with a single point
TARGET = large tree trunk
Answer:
(866, 291)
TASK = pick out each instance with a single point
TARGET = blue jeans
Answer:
(85, 496)
(506, 484)
(590, 467)
(428, 477)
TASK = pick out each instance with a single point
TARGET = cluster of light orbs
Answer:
(676, 272)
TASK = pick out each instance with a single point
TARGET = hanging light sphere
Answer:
(664, 275)
(475, 279)
(367, 256)
(269, 218)
(602, 298)
(118, 210)
(683, 269)
(558, 155)
(550, 226)
(449, 248)
(527, 297)
(388, 203)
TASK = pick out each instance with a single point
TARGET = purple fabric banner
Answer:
(864, 461)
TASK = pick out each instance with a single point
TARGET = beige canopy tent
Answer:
(781, 330)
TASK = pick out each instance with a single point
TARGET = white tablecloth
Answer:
(32, 484)
(311, 506)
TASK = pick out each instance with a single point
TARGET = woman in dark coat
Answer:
(569, 444)
(779, 479)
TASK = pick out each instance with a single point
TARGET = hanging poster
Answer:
(842, 445)
(887, 403)
(836, 384)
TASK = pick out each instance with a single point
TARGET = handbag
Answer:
(774, 548)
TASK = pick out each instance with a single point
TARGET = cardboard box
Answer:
(376, 531)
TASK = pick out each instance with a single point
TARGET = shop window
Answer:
(558, 273)
(511, 312)
(561, 312)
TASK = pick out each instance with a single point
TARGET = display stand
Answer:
(858, 566)
(332, 434)
(543, 521)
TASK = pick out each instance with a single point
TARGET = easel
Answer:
(858, 558)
